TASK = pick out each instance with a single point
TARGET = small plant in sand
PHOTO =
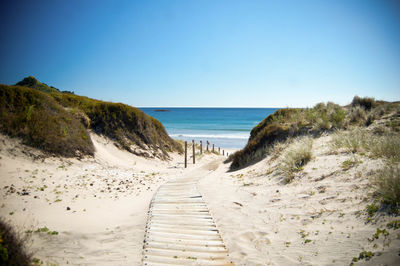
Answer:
(45, 230)
(371, 209)
(395, 224)
(364, 255)
(346, 165)
(298, 154)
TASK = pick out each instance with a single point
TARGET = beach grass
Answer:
(13, 247)
(59, 122)
(322, 118)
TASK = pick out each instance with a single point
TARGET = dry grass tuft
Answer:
(367, 103)
(298, 154)
(387, 183)
(385, 145)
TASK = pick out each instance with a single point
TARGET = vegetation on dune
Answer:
(126, 124)
(12, 247)
(32, 82)
(41, 122)
(57, 122)
(297, 155)
(288, 123)
(387, 184)
(366, 127)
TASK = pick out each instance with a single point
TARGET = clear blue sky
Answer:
(206, 53)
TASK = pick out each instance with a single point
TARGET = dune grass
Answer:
(288, 123)
(295, 157)
(58, 123)
(12, 247)
(126, 124)
(358, 140)
(41, 122)
(330, 117)
(387, 184)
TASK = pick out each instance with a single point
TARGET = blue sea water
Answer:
(224, 127)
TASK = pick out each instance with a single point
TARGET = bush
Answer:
(358, 115)
(58, 123)
(41, 122)
(12, 247)
(367, 103)
(123, 123)
(289, 122)
(298, 154)
(387, 183)
(338, 117)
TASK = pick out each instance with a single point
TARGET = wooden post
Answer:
(201, 147)
(208, 143)
(213, 148)
(185, 154)
(223, 152)
(227, 154)
(194, 160)
(219, 150)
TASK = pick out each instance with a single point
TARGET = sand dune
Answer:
(98, 206)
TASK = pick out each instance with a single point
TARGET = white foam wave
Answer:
(210, 136)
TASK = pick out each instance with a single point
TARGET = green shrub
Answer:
(41, 122)
(367, 103)
(358, 115)
(32, 82)
(288, 123)
(123, 123)
(12, 247)
(56, 122)
(338, 117)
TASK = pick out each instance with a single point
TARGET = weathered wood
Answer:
(185, 154)
(223, 152)
(219, 150)
(180, 229)
(208, 143)
(213, 148)
(194, 152)
(201, 147)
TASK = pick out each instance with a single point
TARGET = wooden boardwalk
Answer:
(180, 229)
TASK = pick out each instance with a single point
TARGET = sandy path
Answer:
(180, 229)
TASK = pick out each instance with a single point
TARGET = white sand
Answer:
(261, 220)
(311, 221)
(108, 197)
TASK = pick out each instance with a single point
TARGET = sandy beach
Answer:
(98, 206)
(95, 209)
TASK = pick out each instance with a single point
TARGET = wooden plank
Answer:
(180, 229)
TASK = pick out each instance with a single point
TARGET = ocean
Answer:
(224, 127)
